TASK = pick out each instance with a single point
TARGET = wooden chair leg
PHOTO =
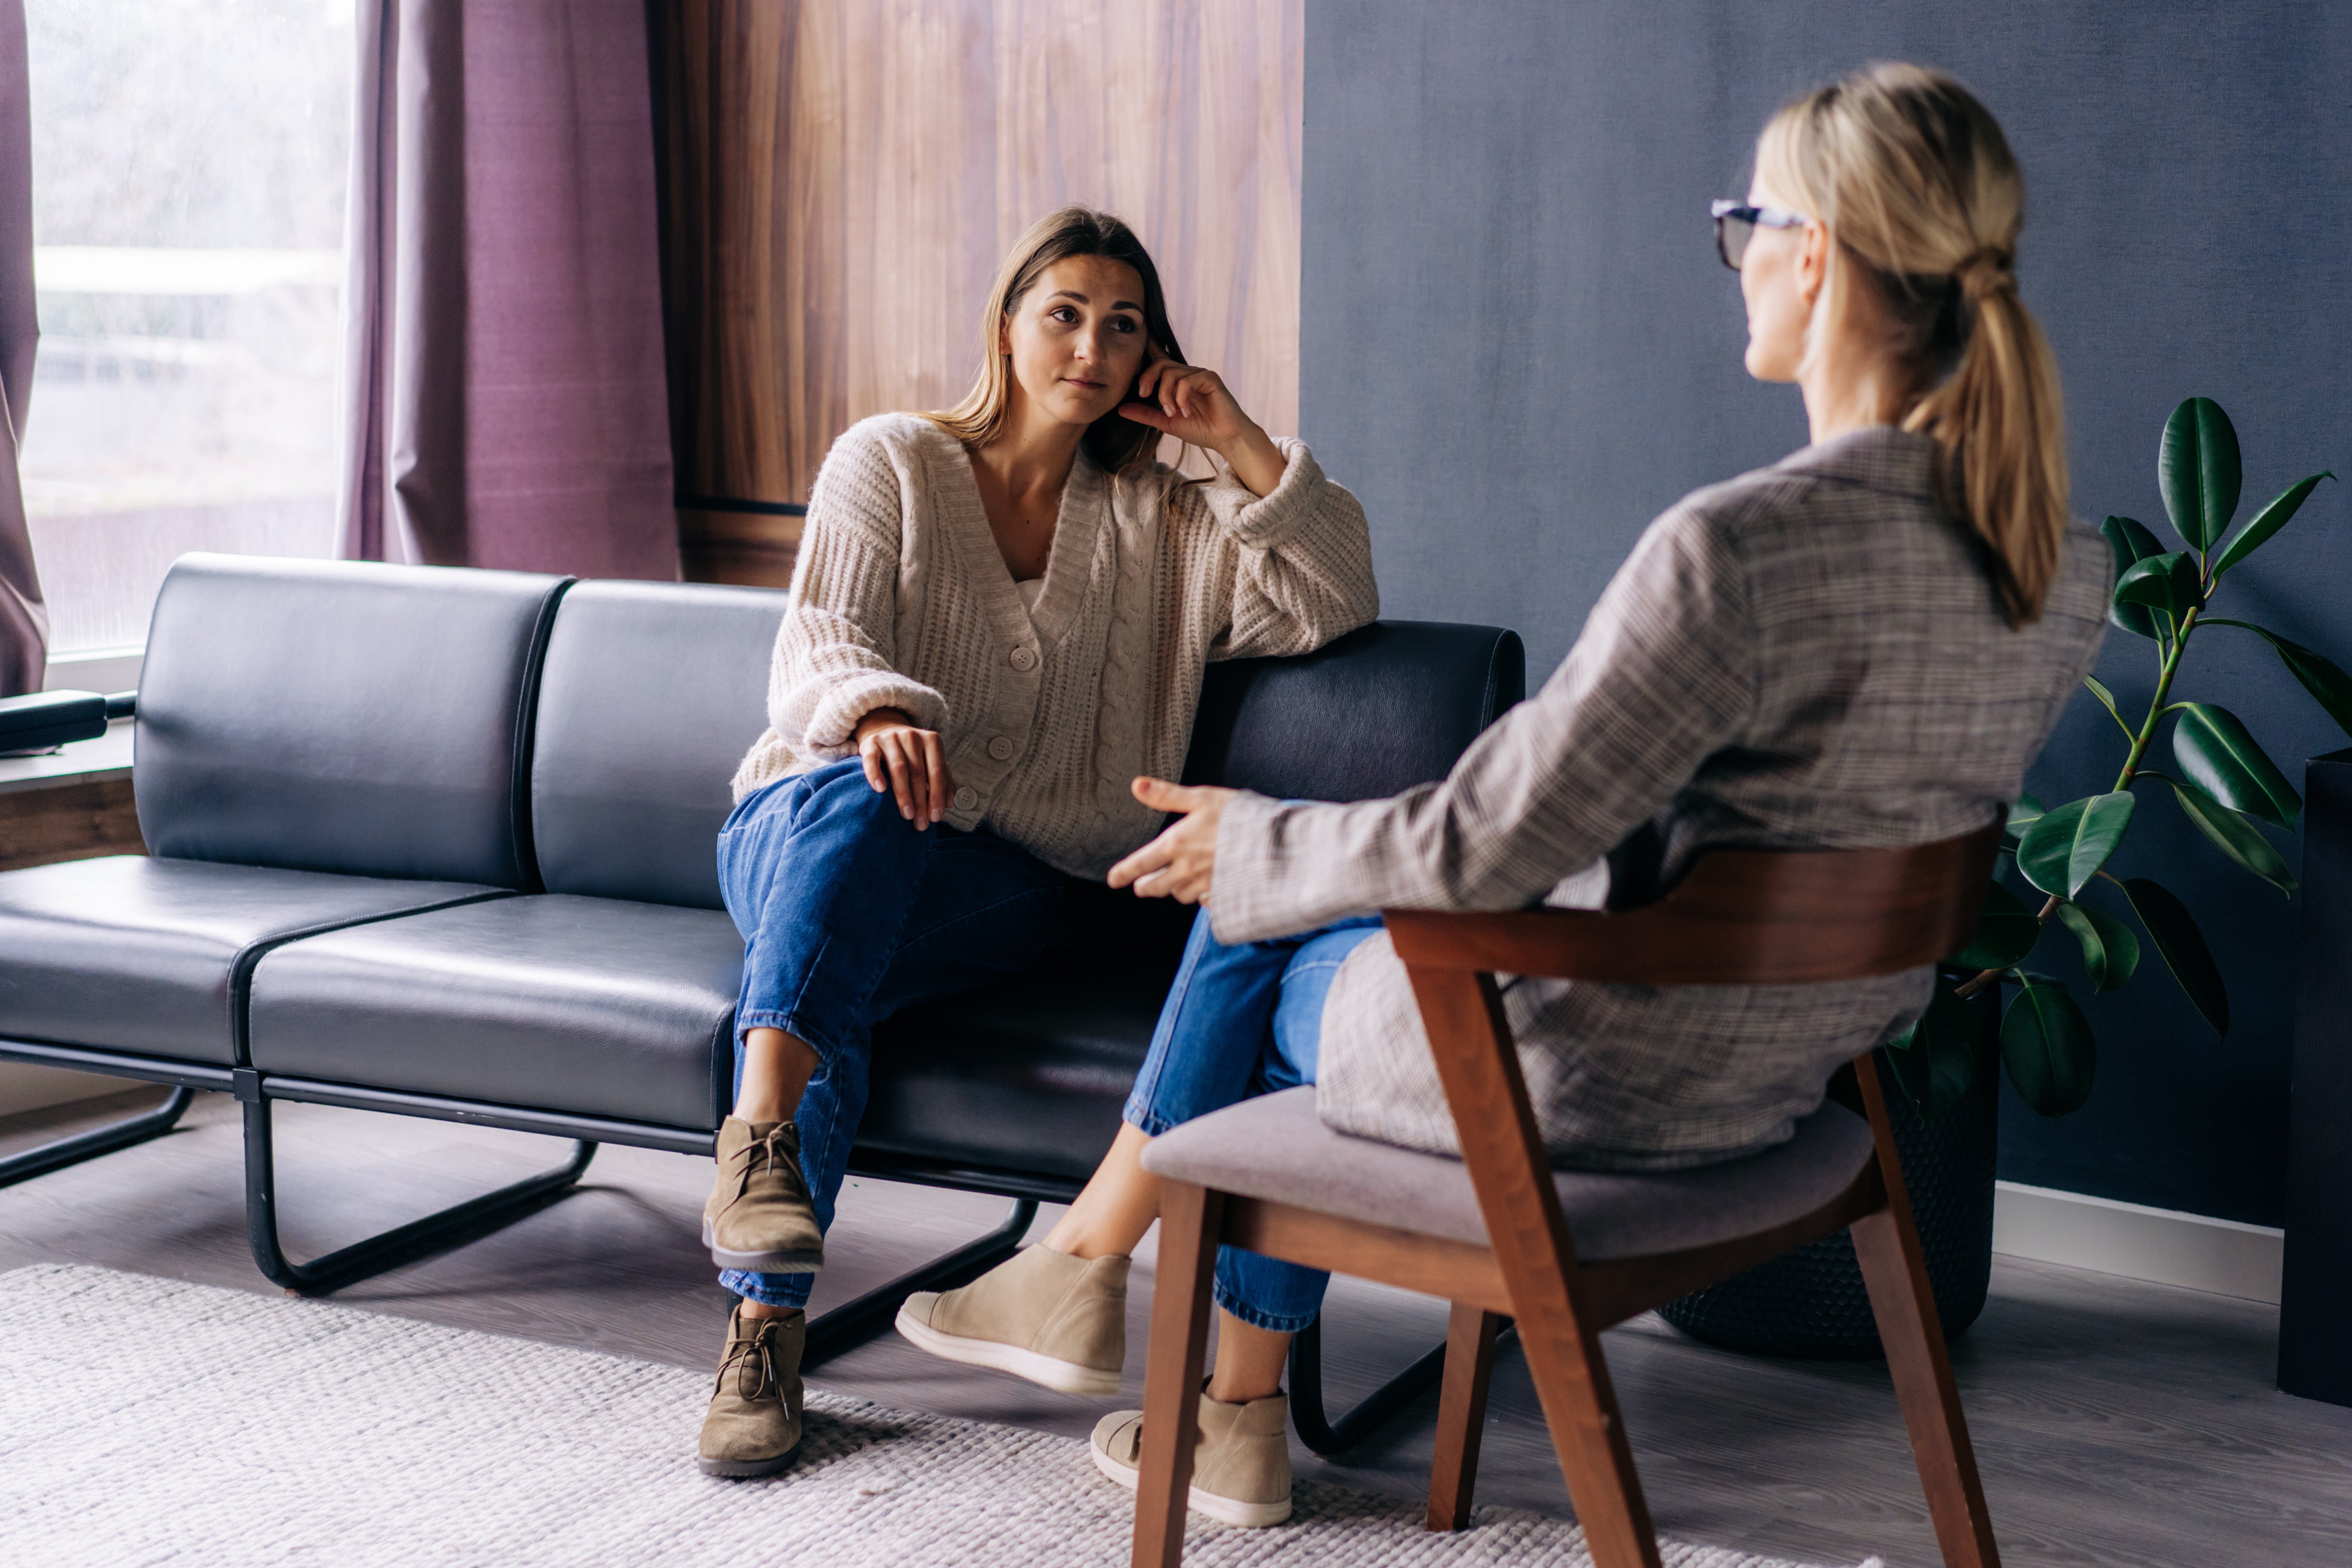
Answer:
(1189, 1223)
(1461, 1414)
(1589, 1435)
(1895, 1269)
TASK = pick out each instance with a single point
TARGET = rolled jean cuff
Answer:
(1277, 1323)
(791, 1023)
(1140, 1115)
(770, 1289)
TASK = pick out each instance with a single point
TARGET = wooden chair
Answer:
(1567, 1253)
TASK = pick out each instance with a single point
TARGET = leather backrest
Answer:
(340, 716)
(650, 695)
(1387, 707)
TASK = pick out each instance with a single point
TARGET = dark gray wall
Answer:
(1518, 347)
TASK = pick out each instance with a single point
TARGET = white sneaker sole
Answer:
(1224, 1510)
(1063, 1376)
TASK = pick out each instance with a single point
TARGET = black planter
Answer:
(1811, 1302)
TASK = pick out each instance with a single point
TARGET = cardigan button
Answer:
(1000, 748)
(966, 798)
(1023, 659)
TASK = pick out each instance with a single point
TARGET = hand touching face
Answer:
(1077, 338)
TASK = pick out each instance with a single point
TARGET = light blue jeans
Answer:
(849, 913)
(1243, 1021)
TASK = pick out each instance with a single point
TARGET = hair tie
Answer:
(1989, 271)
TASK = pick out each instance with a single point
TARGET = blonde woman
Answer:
(1862, 644)
(1000, 618)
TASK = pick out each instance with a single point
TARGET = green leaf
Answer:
(2108, 701)
(2164, 583)
(2005, 934)
(2045, 1044)
(2024, 813)
(2239, 839)
(2213, 748)
(2320, 676)
(1935, 1060)
(2066, 847)
(2166, 918)
(2196, 470)
(2110, 950)
(2267, 522)
(2132, 545)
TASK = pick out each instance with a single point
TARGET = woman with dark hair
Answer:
(1861, 646)
(998, 618)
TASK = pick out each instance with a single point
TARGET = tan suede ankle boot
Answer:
(760, 1216)
(1241, 1465)
(1040, 1314)
(754, 1420)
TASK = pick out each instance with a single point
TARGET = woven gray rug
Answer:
(148, 1421)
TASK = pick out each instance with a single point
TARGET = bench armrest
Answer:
(46, 719)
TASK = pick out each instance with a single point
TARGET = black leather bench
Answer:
(441, 843)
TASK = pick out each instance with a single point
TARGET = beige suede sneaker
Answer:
(754, 1421)
(1040, 1314)
(760, 1217)
(1241, 1466)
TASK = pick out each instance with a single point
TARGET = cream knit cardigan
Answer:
(901, 599)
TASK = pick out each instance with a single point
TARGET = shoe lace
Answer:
(765, 1153)
(752, 1359)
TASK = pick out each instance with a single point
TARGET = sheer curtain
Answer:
(503, 389)
(843, 177)
(24, 619)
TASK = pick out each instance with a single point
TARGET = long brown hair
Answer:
(1915, 183)
(1114, 441)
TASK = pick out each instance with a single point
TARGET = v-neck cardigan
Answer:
(901, 599)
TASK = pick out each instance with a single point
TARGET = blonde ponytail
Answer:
(1915, 181)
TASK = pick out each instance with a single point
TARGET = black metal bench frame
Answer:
(830, 1334)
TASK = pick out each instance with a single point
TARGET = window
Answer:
(189, 165)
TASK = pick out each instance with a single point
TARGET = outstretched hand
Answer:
(1176, 865)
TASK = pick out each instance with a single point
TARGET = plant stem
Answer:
(2156, 712)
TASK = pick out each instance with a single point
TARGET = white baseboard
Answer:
(25, 1087)
(2162, 1246)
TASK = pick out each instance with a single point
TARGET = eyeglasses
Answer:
(1736, 222)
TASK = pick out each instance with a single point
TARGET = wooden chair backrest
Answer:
(1741, 916)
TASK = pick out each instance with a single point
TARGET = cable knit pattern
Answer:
(901, 599)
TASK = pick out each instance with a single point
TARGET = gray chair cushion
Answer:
(650, 695)
(1275, 1147)
(151, 956)
(340, 716)
(592, 1006)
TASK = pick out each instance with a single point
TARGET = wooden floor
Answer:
(2117, 1423)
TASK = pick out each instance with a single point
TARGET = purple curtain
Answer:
(503, 390)
(24, 619)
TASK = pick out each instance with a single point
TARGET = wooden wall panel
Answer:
(845, 176)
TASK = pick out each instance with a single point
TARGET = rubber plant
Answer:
(2224, 784)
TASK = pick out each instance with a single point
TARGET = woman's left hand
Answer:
(1195, 406)
(1178, 864)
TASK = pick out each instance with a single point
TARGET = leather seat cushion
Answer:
(1276, 1147)
(149, 956)
(595, 1006)
(1028, 1075)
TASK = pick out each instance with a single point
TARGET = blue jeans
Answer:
(850, 913)
(1244, 1021)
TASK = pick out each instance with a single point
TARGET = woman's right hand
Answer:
(907, 762)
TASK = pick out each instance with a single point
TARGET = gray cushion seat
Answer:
(611, 994)
(317, 745)
(151, 957)
(592, 1007)
(1276, 1147)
